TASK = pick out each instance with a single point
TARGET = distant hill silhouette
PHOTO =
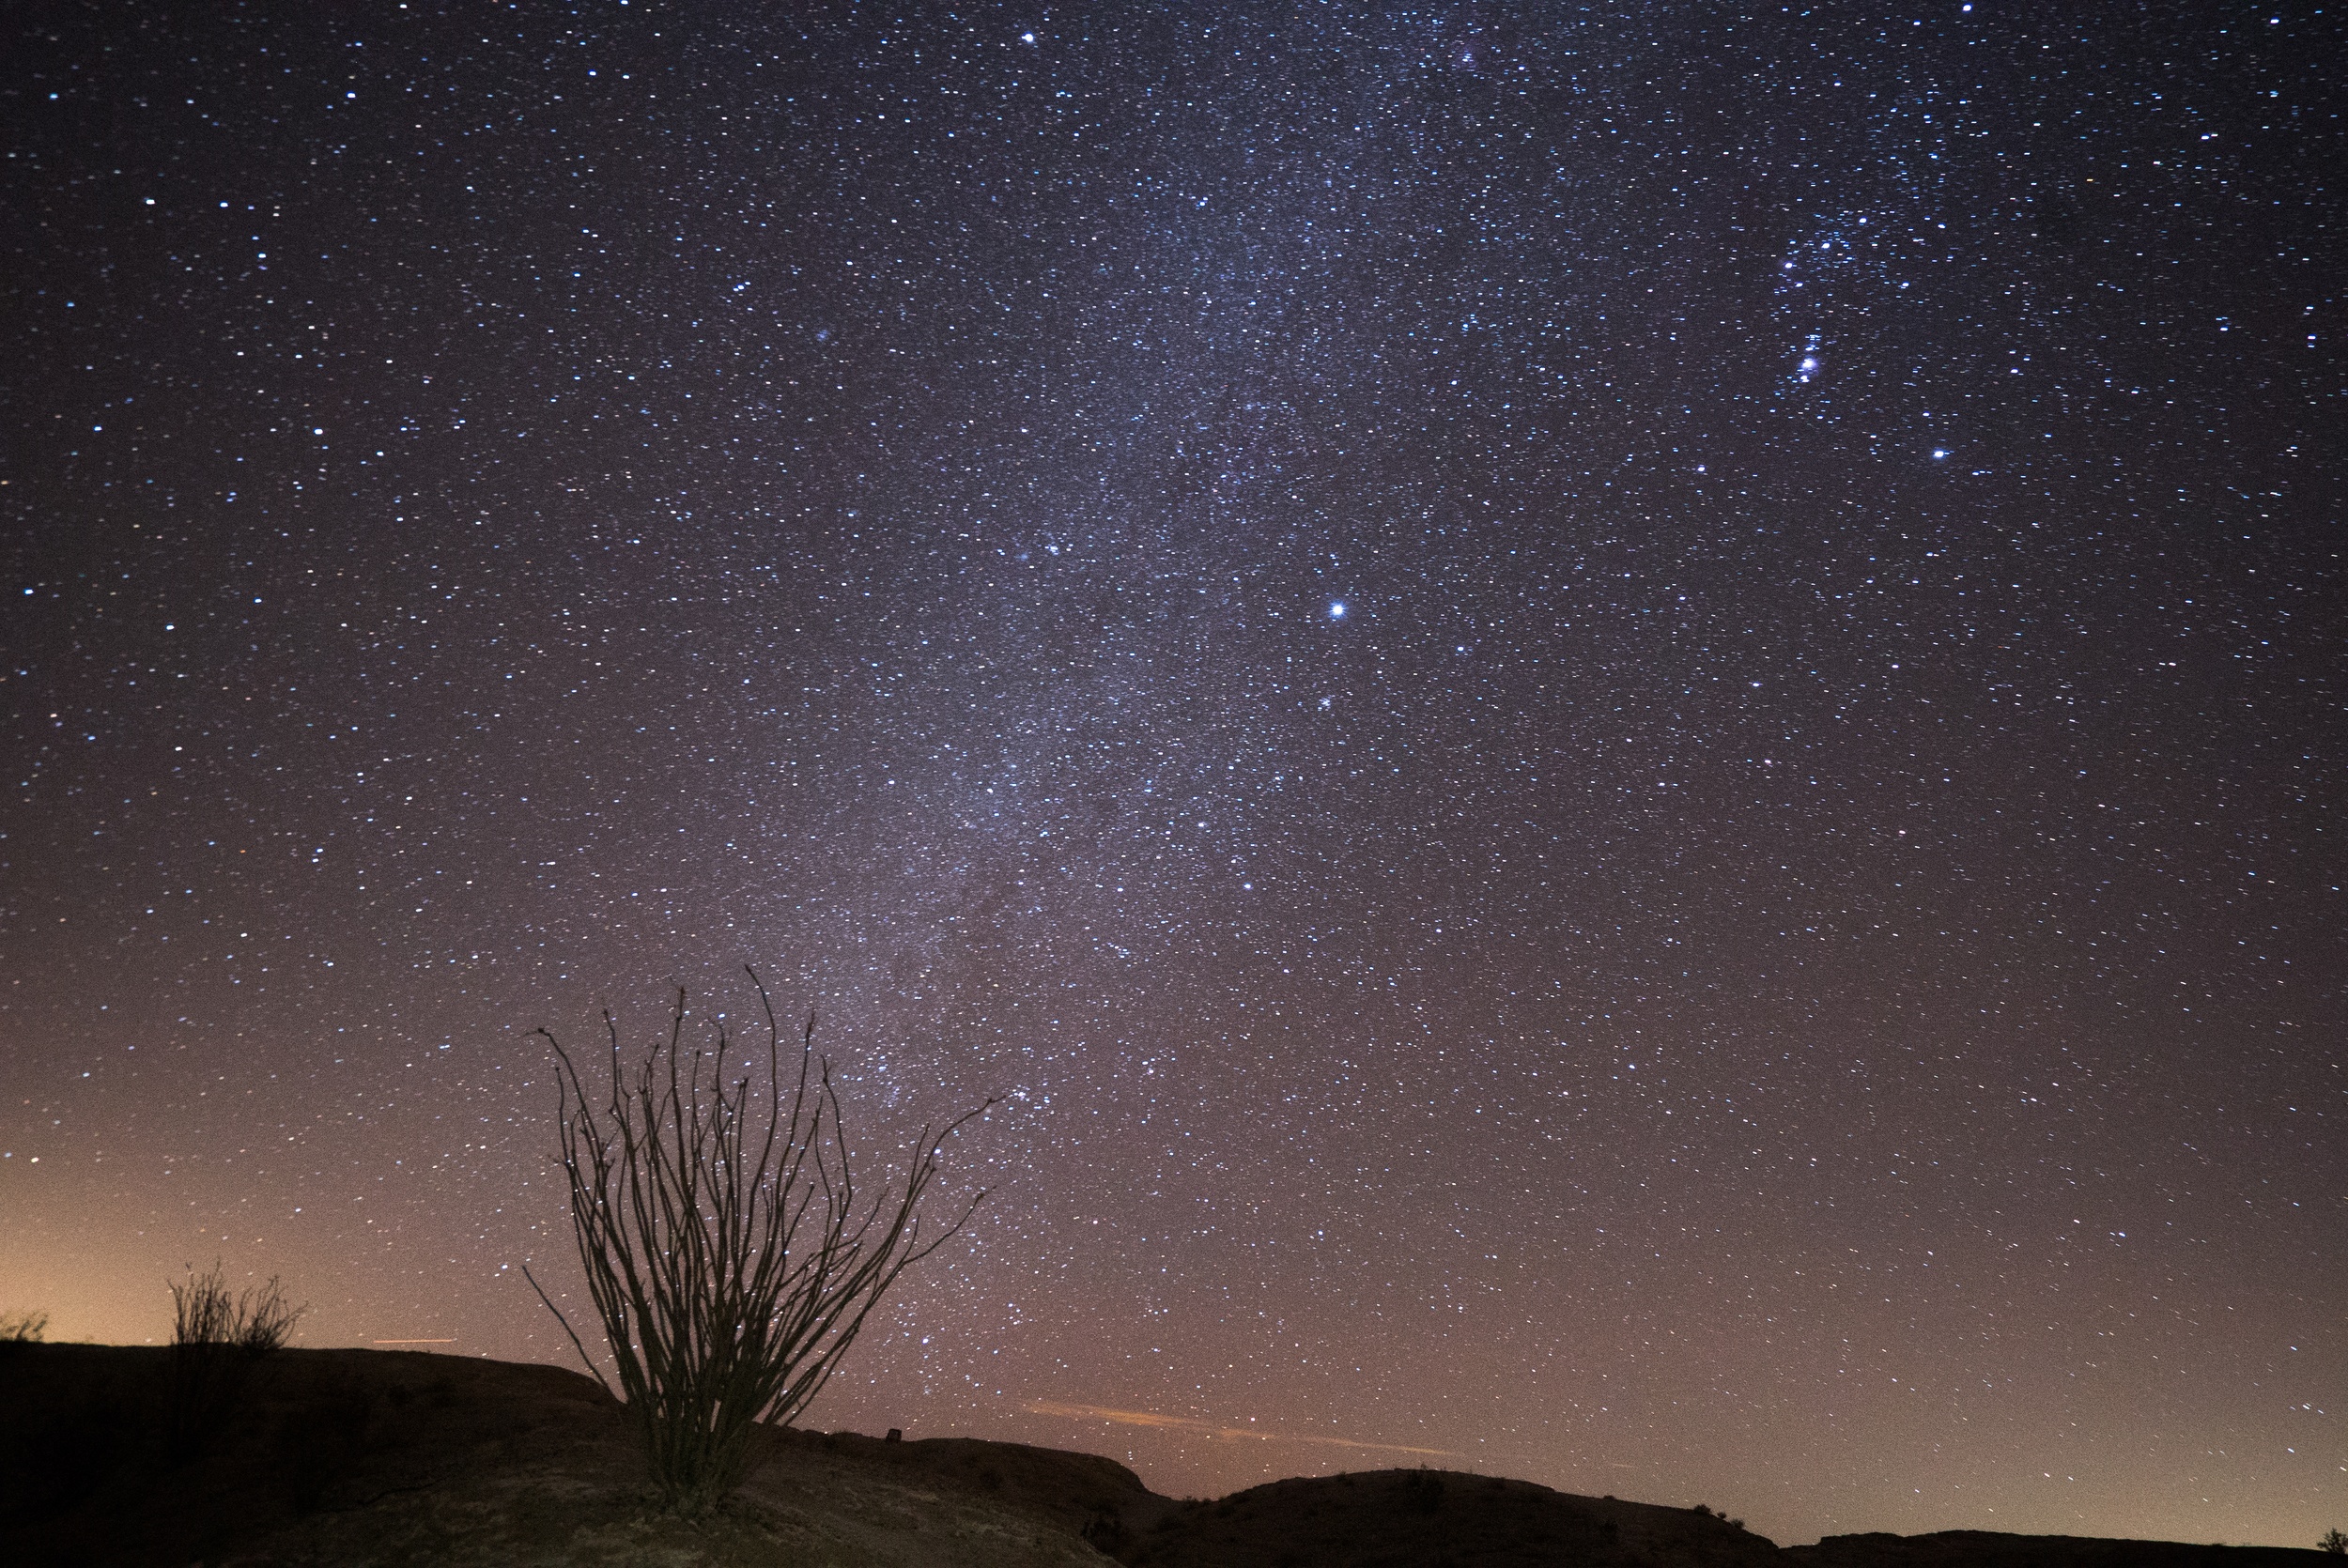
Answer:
(352, 1457)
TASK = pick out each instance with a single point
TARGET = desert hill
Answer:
(334, 1457)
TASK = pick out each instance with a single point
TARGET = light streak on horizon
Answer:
(1189, 1423)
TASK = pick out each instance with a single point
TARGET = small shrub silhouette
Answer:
(2334, 1543)
(256, 1321)
(215, 1337)
(23, 1328)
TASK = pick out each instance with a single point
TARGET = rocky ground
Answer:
(373, 1457)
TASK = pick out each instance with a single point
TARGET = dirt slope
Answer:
(365, 1457)
(373, 1457)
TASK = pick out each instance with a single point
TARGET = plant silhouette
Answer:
(728, 1255)
(215, 1337)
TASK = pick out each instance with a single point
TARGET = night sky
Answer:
(1622, 724)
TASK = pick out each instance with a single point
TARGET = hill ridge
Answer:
(358, 1457)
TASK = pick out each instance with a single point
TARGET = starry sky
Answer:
(1621, 724)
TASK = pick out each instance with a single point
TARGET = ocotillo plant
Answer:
(727, 1253)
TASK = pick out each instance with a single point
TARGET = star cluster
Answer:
(1619, 724)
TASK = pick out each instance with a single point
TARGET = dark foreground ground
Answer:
(335, 1457)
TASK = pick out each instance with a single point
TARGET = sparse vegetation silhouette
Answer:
(2334, 1543)
(256, 1321)
(215, 1337)
(724, 1249)
(23, 1328)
